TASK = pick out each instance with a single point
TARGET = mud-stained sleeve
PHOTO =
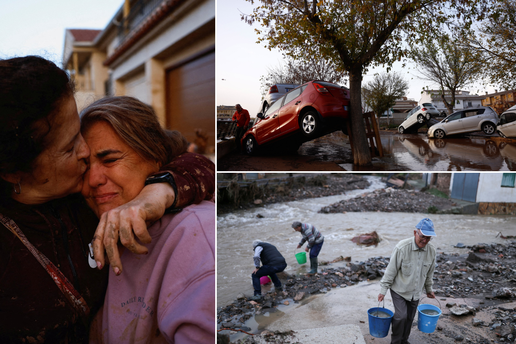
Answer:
(194, 175)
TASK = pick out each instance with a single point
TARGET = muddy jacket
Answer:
(311, 234)
(32, 308)
(410, 270)
(268, 254)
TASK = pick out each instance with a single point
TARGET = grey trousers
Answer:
(404, 312)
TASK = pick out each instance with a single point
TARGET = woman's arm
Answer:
(194, 176)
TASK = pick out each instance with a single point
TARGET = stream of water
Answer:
(237, 230)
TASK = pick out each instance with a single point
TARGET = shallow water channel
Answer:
(237, 230)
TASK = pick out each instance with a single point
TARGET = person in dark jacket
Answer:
(272, 262)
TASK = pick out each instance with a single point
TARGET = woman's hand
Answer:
(130, 220)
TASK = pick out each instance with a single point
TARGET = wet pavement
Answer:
(402, 152)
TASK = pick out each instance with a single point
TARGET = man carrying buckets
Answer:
(272, 262)
(411, 268)
(315, 241)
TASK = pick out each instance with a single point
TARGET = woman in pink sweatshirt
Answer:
(168, 295)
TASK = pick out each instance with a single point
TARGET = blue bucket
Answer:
(425, 322)
(379, 326)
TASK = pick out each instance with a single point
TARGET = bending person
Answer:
(272, 263)
(48, 290)
(169, 294)
(315, 241)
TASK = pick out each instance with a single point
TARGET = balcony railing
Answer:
(140, 10)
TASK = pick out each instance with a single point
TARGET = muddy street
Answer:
(403, 152)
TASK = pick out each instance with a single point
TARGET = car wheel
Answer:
(488, 128)
(439, 143)
(309, 124)
(439, 134)
(401, 130)
(490, 149)
(501, 134)
(251, 146)
(420, 119)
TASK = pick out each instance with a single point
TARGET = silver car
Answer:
(275, 93)
(466, 121)
(417, 117)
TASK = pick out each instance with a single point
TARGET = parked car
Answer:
(466, 121)
(507, 124)
(417, 117)
(309, 111)
(275, 92)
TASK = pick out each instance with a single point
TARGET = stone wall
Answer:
(485, 208)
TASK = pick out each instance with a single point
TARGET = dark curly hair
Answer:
(32, 90)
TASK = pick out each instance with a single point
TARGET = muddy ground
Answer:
(484, 273)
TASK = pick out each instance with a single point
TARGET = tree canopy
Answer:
(449, 64)
(381, 93)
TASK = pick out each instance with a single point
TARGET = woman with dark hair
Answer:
(50, 287)
(169, 294)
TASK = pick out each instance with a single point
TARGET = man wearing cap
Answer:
(315, 241)
(411, 268)
(272, 263)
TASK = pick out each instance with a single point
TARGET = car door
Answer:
(471, 119)
(288, 120)
(268, 128)
(453, 123)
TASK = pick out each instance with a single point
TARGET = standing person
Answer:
(315, 241)
(272, 263)
(50, 287)
(410, 269)
(169, 294)
(242, 118)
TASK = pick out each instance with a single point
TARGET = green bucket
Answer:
(301, 257)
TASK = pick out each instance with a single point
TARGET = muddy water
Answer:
(451, 154)
(236, 232)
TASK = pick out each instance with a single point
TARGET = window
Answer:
(508, 180)
(291, 95)
(275, 106)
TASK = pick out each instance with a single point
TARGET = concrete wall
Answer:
(490, 190)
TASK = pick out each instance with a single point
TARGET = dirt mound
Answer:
(391, 200)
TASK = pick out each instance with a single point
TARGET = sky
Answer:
(241, 61)
(37, 27)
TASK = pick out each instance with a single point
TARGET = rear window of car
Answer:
(428, 104)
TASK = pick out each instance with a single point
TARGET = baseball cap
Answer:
(426, 226)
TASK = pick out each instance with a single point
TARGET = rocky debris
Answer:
(286, 190)
(391, 200)
(486, 271)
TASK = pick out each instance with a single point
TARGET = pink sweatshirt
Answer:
(167, 296)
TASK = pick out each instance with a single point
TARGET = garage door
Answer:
(465, 186)
(191, 98)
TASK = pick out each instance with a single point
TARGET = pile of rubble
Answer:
(391, 200)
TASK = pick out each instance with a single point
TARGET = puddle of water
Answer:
(418, 152)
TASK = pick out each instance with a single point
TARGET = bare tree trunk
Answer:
(433, 180)
(361, 153)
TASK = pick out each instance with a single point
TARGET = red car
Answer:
(307, 112)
